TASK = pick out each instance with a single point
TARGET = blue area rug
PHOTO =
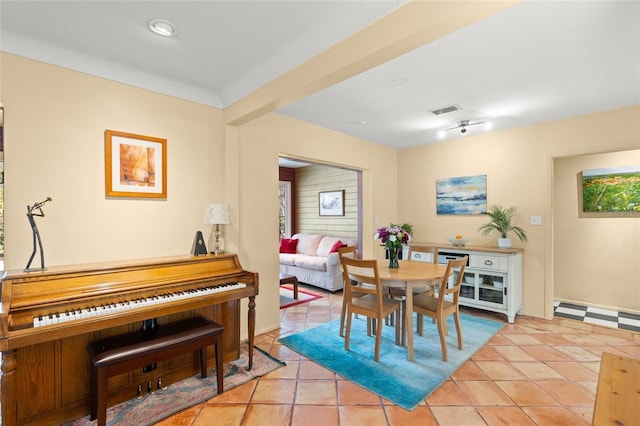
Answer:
(402, 382)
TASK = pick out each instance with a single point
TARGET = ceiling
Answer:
(534, 62)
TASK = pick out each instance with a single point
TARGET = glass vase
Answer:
(393, 257)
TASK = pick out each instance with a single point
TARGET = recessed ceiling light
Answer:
(163, 27)
(399, 82)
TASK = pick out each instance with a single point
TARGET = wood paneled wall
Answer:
(316, 178)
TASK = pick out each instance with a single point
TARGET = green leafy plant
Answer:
(501, 221)
(406, 227)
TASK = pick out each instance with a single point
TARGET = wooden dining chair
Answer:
(439, 308)
(416, 254)
(366, 298)
(345, 252)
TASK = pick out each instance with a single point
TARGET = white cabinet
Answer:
(492, 279)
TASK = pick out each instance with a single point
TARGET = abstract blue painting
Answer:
(462, 195)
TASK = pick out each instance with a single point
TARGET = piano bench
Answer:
(119, 354)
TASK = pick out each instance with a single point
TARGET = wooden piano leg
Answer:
(251, 326)
(9, 388)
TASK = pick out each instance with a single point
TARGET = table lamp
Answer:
(217, 214)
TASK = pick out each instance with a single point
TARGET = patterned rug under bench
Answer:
(598, 316)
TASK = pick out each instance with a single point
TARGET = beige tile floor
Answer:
(533, 372)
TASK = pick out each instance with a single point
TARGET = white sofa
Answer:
(313, 263)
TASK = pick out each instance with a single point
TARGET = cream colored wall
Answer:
(259, 144)
(607, 271)
(519, 168)
(54, 146)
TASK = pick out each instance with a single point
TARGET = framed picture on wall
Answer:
(331, 203)
(610, 192)
(462, 195)
(135, 165)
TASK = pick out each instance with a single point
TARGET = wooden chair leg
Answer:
(403, 323)
(347, 333)
(443, 339)
(420, 327)
(342, 315)
(399, 329)
(378, 339)
(458, 329)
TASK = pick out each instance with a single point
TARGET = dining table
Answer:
(409, 275)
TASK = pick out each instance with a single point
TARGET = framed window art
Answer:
(135, 165)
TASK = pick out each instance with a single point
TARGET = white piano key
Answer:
(122, 306)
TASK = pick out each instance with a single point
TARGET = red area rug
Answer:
(287, 300)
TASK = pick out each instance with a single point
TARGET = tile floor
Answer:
(598, 316)
(533, 372)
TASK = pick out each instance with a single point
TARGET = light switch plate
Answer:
(536, 220)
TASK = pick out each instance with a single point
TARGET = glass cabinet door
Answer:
(482, 287)
(491, 288)
(468, 289)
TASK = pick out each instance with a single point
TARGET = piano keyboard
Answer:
(95, 311)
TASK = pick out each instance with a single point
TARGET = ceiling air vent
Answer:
(445, 110)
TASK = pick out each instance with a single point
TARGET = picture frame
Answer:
(465, 195)
(609, 192)
(135, 165)
(331, 203)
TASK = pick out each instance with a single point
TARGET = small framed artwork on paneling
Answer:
(609, 192)
(331, 203)
(135, 165)
(462, 195)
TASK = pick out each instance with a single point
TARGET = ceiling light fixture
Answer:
(463, 124)
(163, 27)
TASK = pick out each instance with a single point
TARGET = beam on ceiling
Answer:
(412, 25)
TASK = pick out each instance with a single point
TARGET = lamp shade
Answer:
(217, 214)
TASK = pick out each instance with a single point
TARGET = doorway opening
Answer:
(301, 185)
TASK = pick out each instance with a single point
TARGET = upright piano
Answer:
(48, 317)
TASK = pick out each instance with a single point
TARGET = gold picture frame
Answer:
(135, 165)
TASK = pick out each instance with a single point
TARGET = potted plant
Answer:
(501, 221)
